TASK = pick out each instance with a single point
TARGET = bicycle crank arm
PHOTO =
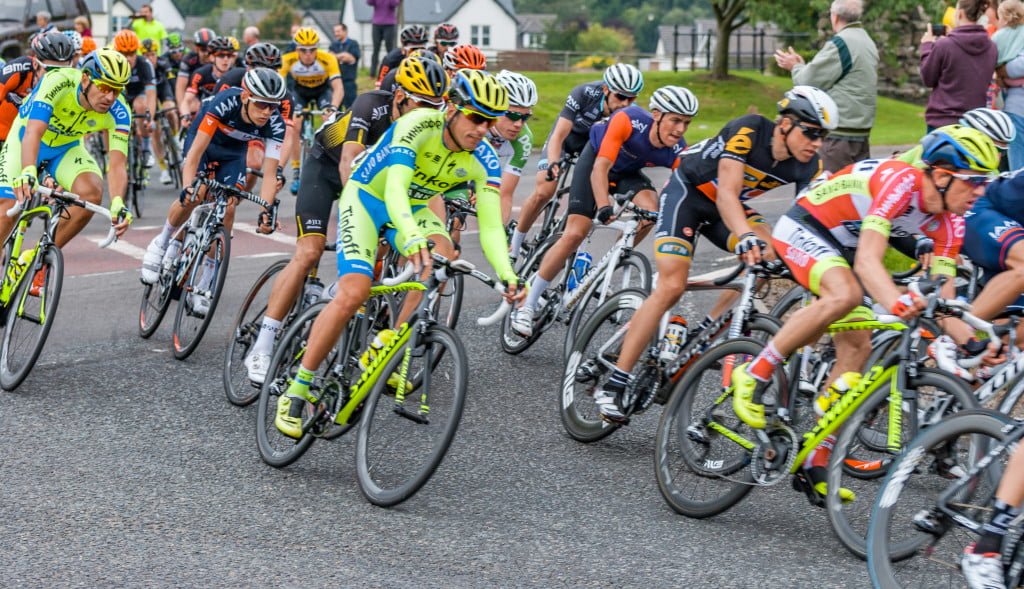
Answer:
(414, 417)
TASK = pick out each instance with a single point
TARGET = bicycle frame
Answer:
(605, 267)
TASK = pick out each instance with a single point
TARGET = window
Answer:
(119, 22)
(480, 35)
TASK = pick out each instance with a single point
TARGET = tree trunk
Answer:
(728, 18)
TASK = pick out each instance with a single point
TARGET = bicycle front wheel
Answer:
(237, 386)
(907, 505)
(205, 281)
(30, 315)
(400, 445)
(156, 298)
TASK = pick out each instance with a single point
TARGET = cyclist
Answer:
(464, 57)
(46, 136)
(173, 56)
(511, 137)
(88, 46)
(631, 140)
(585, 105)
(412, 37)
(704, 196)
(388, 82)
(219, 140)
(994, 123)
(446, 36)
(165, 99)
(419, 156)
(141, 89)
(421, 84)
(192, 61)
(314, 77)
(204, 79)
(19, 76)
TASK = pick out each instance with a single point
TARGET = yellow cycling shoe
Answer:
(743, 387)
(289, 416)
(845, 495)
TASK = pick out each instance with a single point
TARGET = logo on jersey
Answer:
(713, 149)
(639, 125)
(379, 112)
(740, 143)
(998, 231)
(461, 173)
(932, 226)
(570, 102)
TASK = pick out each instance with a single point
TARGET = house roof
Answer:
(423, 11)
(96, 6)
(535, 23)
(325, 18)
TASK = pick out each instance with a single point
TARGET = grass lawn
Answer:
(897, 123)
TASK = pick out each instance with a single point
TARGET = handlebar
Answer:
(566, 159)
(70, 199)
(203, 179)
(444, 268)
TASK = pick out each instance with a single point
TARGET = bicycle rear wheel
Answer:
(30, 317)
(237, 386)
(156, 298)
(900, 552)
(190, 322)
(511, 342)
(399, 447)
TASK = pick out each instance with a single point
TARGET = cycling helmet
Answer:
(446, 32)
(422, 76)
(464, 57)
(53, 46)
(264, 84)
(424, 53)
(235, 45)
(415, 35)
(479, 91)
(107, 66)
(149, 46)
(263, 55)
(202, 37)
(623, 78)
(810, 105)
(76, 39)
(521, 90)
(126, 41)
(306, 37)
(174, 42)
(88, 45)
(220, 45)
(960, 147)
(674, 99)
(994, 123)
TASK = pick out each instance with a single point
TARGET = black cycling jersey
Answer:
(584, 106)
(173, 64)
(364, 123)
(143, 76)
(189, 64)
(203, 82)
(388, 84)
(390, 62)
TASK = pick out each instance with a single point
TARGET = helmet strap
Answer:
(451, 134)
(657, 130)
(941, 190)
(785, 136)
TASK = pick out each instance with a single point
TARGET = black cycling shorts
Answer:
(319, 188)
(318, 98)
(164, 92)
(581, 191)
(572, 145)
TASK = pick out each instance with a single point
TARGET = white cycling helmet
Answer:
(674, 99)
(811, 105)
(994, 123)
(76, 39)
(264, 83)
(521, 90)
(623, 78)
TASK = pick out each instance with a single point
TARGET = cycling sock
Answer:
(146, 144)
(209, 269)
(763, 366)
(167, 232)
(295, 167)
(536, 290)
(618, 381)
(265, 340)
(995, 530)
(299, 386)
(818, 458)
(518, 237)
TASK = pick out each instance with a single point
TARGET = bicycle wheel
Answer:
(397, 452)
(701, 472)
(449, 301)
(29, 319)
(239, 390)
(632, 271)
(511, 342)
(939, 457)
(591, 360)
(190, 323)
(789, 301)
(862, 440)
(156, 298)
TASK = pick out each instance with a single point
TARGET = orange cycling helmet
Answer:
(126, 41)
(88, 45)
(467, 57)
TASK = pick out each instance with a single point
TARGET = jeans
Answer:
(1016, 151)
(385, 34)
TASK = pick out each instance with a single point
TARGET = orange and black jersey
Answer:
(203, 82)
(17, 78)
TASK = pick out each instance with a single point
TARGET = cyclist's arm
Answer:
(204, 135)
(34, 130)
(617, 133)
(409, 137)
(488, 213)
(868, 263)
(349, 152)
(730, 185)
(562, 129)
(119, 133)
(337, 93)
(180, 84)
(151, 92)
(509, 183)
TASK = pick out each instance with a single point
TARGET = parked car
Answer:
(18, 21)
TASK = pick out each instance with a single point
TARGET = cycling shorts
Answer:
(808, 254)
(164, 92)
(319, 187)
(361, 217)
(317, 98)
(990, 237)
(65, 163)
(581, 191)
(228, 165)
(685, 213)
(573, 145)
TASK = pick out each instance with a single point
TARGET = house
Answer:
(748, 46)
(489, 24)
(109, 16)
(533, 29)
(233, 22)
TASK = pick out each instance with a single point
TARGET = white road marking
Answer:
(122, 247)
(251, 229)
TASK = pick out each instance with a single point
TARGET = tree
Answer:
(729, 16)
(277, 24)
(599, 39)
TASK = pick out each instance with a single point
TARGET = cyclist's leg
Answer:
(10, 168)
(646, 198)
(78, 172)
(543, 190)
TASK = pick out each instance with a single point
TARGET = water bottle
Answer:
(312, 292)
(672, 343)
(580, 267)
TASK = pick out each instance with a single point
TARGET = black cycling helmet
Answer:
(53, 46)
(203, 36)
(263, 55)
(220, 45)
(416, 35)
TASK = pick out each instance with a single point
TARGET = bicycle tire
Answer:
(238, 388)
(449, 302)
(787, 301)
(156, 299)
(848, 522)
(23, 334)
(374, 473)
(511, 342)
(912, 486)
(185, 341)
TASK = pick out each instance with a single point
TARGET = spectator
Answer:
(82, 26)
(385, 18)
(1009, 40)
(146, 27)
(347, 52)
(847, 69)
(250, 37)
(958, 66)
(43, 19)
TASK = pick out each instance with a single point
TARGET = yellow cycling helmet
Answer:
(479, 91)
(108, 67)
(422, 76)
(234, 43)
(425, 54)
(306, 37)
(960, 147)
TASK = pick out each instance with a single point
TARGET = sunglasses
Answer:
(263, 105)
(812, 133)
(475, 117)
(624, 97)
(108, 88)
(975, 180)
(220, 55)
(447, 43)
(307, 49)
(515, 117)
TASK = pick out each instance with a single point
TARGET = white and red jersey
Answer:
(885, 196)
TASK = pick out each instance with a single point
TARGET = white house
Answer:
(533, 29)
(489, 24)
(110, 16)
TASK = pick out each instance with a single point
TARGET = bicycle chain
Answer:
(761, 476)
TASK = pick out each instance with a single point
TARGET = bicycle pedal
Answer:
(617, 422)
(800, 483)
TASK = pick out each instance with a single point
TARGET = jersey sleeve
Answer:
(573, 104)
(51, 90)
(149, 74)
(619, 129)
(194, 81)
(487, 178)
(274, 135)
(947, 231)
(330, 65)
(120, 125)
(893, 193)
(361, 116)
(408, 138)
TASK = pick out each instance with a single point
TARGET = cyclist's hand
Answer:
(605, 214)
(281, 180)
(418, 253)
(23, 184)
(263, 223)
(749, 248)
(515, 291)
(188, 193)
(908, 306)
(553, 170)
(120, 216)
(993, 350)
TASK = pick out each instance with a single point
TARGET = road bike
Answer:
(172, 151)
(550, 221)
(138, 171)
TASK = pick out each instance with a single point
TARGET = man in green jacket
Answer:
(146, 27)
(847, 69)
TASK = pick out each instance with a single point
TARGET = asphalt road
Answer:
(125, 467)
